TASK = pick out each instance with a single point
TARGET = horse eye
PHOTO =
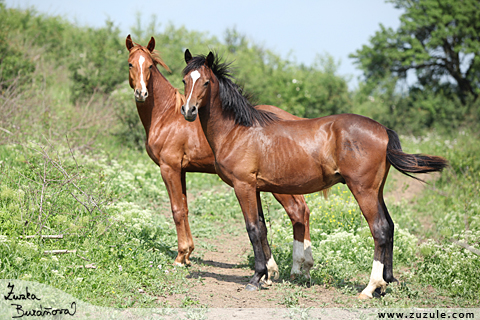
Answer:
(183, 80)
(206, 83)
(150, 67)
(130, 65)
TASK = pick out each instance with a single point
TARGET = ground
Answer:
(219, 277)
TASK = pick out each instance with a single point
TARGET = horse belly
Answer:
(300, 185)
(292, 171)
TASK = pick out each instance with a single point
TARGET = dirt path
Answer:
(406, 188)
(219, 277)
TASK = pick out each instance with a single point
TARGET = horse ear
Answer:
(151, 45)
(188, 56)
(129, 43)
(210, 59)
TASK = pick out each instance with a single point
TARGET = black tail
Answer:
(411, 163)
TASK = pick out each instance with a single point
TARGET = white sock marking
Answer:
(297, 257)
(376, 279)
(308, 263)
(273, 271)
(195, 75)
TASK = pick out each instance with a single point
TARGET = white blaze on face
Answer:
(195, 75)
(141, 60)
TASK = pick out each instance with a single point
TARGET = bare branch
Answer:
(467, 246)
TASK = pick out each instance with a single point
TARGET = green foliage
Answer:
(129, 131)
(451, 267)
(50, 195)
(100, 64)
(435, 38)
(417, 111)
(14, 63)
(98, 206)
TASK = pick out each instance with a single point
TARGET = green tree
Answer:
(438, 39)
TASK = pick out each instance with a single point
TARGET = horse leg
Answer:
(308, 263)
(388, 270)
(257, 232)
(272, 266)
(382, 232)
(188, 232)
(172, 177)
(299, 214)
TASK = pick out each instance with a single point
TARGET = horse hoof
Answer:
(251, 287)
(276, 275)
(267, 282)
(363, 296)
(393, 280)
(381, 291)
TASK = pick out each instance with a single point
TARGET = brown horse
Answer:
(256, 151)
(179, 147)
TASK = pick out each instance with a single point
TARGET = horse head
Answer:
(141, 63)
(197, 78)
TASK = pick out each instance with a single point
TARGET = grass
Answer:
(130, 246)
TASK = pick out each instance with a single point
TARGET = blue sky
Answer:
(298, 29)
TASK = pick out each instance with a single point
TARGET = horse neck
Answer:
(159, 104)
(215, 123)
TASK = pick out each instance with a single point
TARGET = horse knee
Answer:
(382, 233)
(179, 215)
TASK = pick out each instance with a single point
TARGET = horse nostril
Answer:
(194, 110)
(182, 110)
(146, 94)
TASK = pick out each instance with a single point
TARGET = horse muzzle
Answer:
(140, 96)
(190, 114)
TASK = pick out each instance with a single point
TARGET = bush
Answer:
(101, 64)
(129, 130)
(15, 64)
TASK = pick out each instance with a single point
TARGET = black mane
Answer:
(235, 101)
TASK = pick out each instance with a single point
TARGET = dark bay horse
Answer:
(257, 151)
(178, 147)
